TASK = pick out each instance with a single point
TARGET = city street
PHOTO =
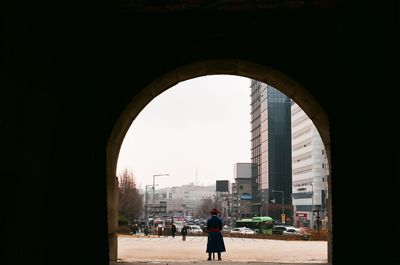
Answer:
(239, 250)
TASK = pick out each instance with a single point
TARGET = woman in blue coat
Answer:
(215, 241)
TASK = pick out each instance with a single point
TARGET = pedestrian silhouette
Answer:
(146, 230)
(173, 230)
(184, 232)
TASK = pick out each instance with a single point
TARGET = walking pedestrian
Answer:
(173, 230)
(146, 230)
(215, 241)
(160, 230)
(184, 232)
(134, 229)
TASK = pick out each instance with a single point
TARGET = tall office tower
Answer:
(310, 170)
(271, 149)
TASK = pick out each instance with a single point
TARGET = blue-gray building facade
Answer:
(271, 149)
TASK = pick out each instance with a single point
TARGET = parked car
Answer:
(292, 231)
(280, 229)
(288, 230)
(243, 231)
(203, 227)
(194, 229)
(226, 229)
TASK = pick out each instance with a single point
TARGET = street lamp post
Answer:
(312, 197)
(154, 176)
(312, 205)
(238, 217)
(283, 202)
(146, 204)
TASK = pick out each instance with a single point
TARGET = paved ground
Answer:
(207, 263)
(168, 250)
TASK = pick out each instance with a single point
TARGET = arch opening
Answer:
(250, 70)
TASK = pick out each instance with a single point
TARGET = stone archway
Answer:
(213, 67)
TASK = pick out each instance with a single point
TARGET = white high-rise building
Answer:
(309, 170)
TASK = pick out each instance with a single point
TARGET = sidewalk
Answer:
(210, 263)
(134, 250)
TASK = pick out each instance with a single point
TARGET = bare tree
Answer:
(207, 205)
(130, 203)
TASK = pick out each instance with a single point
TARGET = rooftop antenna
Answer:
(196, 177)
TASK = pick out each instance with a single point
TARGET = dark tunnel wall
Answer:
(67, 76)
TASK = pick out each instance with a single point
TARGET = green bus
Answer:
(260, 224)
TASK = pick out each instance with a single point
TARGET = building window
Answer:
(241, 187)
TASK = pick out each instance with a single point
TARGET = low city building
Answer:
(182, 200)
(244, 191)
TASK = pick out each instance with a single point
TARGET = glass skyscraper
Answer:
(271, 148)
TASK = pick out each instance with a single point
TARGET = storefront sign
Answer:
(301, 214)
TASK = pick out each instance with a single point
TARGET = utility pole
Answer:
(154, 176)
(312, 205)
(283, 203)
(146, 205)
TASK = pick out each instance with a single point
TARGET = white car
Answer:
(292, 231)
(243, 231)
(226, 229)
(195, 229)
(281, 229)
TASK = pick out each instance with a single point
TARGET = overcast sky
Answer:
(202, 125)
